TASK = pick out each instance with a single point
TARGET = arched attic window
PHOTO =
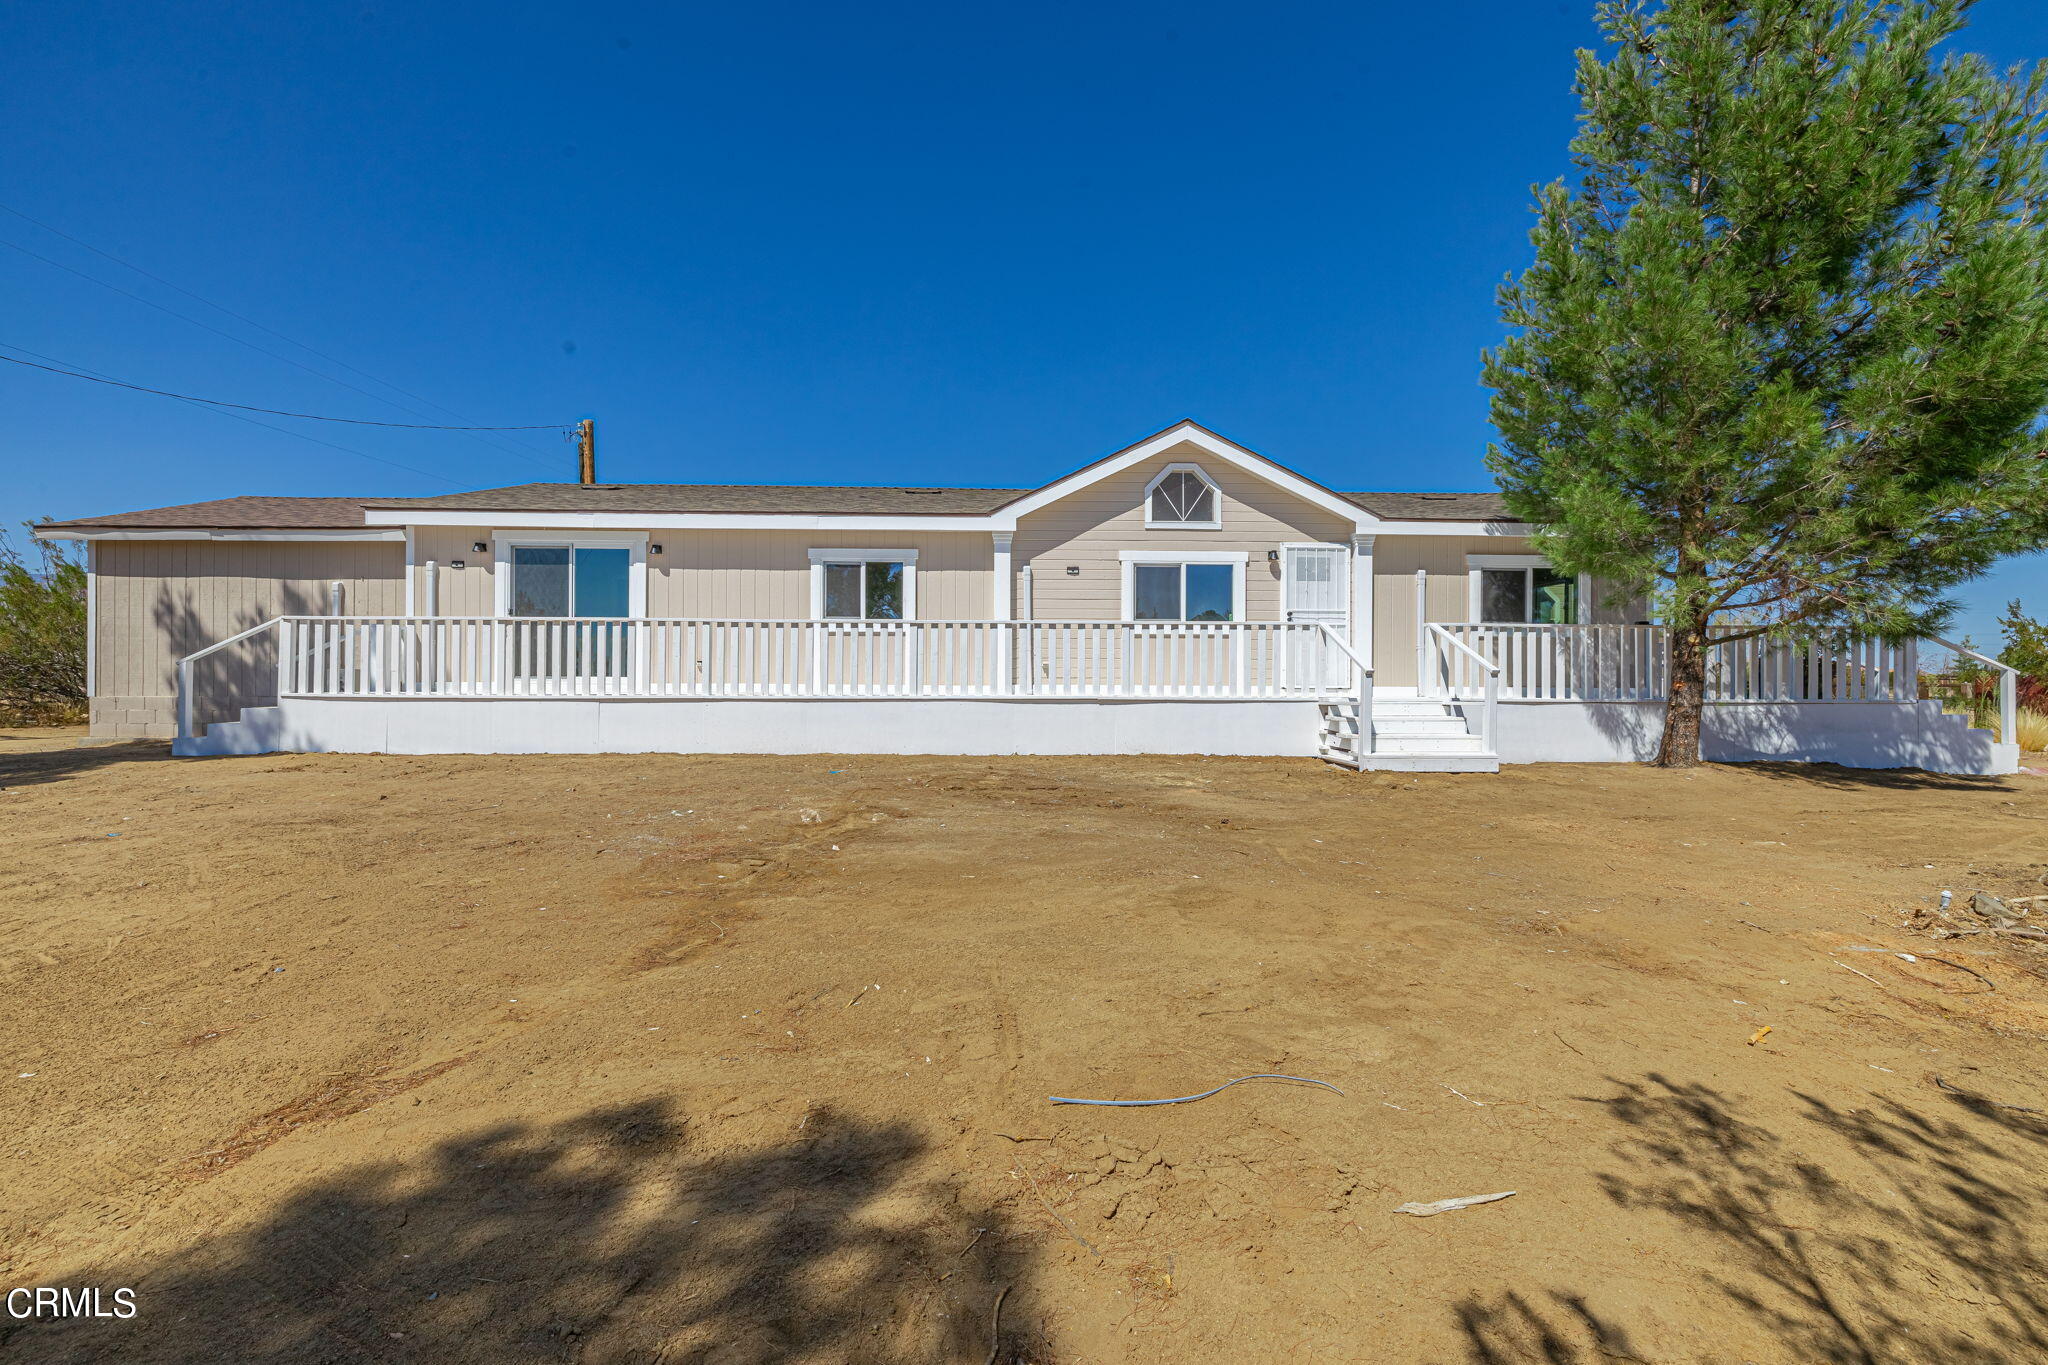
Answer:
(1183, 496)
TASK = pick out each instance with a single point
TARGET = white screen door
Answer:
(1315, 585)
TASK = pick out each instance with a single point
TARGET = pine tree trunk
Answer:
(1681, 745)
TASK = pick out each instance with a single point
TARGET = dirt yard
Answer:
(747, 1061)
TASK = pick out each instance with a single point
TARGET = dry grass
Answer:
(2031, 729)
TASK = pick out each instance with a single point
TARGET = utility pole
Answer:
(586, 444)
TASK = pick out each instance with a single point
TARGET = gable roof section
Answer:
(706, 504)
(1192, 433)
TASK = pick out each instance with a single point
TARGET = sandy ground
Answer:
(747, 1060)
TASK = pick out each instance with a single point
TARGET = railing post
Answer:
(285, 656)
(2008, 706)
(1365, 737)
(1493, 710)
(184, 699)
(1421, 631)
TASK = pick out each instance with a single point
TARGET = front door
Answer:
(1314, 589)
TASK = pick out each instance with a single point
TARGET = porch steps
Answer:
(254, 731)
(1408, 735)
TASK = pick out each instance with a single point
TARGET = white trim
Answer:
(1130, 559)
(821, 557)
(1003, 605)
(1361, 597)
(1476, 564)
(1187, 433)
(393, 535)
(1215, 500)
(409, 592)
(636, 573)
(92, 626)
(829, 556)
(1184, 557)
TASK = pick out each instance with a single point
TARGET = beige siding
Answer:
(157, 601)
(748, 575)
(766, 575)
(466, 591)
(1089, 529)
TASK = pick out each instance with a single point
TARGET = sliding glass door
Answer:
(552, 582)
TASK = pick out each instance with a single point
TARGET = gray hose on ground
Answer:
(1183, 1099)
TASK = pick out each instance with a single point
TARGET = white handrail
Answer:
(1491, 725)
(2008, 689)
(484, 656)
(1364, 672)
(185, 672)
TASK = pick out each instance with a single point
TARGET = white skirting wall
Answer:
(1881, 734)
(1854, 734)
(733, 726)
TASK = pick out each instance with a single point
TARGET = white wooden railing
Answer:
(610, 657)
(1447, 661)
(1632, 663)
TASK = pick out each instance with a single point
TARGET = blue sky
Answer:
(780, 243)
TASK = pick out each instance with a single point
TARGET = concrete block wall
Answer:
(133, 718)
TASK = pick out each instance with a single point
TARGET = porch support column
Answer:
(1002, 611)
(1361, 596)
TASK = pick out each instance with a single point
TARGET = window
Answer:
(1167, 589)
(571, 580)
(600, 577)
(871, 590)
(585, 575)
(1182, 496)
(863, 585)
(1528, 593)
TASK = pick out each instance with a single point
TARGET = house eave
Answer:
(344, 534)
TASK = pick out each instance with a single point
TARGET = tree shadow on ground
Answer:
(1511, 1330)
(600, 1238)
(36, 766)
(1917, 1209)
(1876, 779)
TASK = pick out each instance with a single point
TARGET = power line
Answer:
(496, 444)
(285, 431)
(274, 412)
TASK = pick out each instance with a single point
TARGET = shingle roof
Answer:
(725, 497)
(1433, 506)
(243, 514)
(279, 513)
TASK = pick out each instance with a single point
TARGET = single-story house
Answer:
(1181, 595)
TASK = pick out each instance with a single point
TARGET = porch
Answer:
(1485, 693)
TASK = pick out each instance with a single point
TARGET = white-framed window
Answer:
(863, 585)
(582, 573)
(1184, 585)
(1182, 497)
(1524, 590)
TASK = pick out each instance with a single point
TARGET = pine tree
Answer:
(1781, 361)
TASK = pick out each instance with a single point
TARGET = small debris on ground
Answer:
(1431, 1210)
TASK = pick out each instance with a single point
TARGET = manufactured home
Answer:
(1181, 595)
